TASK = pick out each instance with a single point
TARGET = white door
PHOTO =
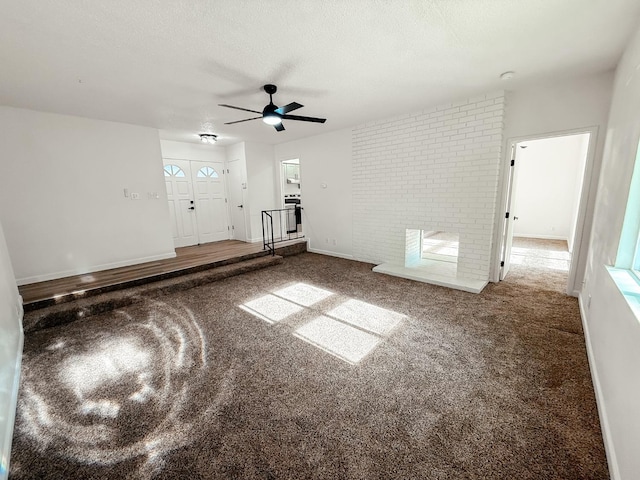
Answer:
(210, 198)
(237, 184)
(510, 218)
(177, 176)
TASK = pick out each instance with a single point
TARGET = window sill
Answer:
(629, 287)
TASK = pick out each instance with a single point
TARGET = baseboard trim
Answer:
(612, 461)
(329, 253)
(94, 268)
(541, 237)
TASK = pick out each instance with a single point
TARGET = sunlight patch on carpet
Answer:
(110, 362)
(366, 316)
(99, 391)
(349, 331)
(339, 339)
(270, 308)
(303, 294)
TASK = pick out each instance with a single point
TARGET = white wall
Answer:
(433, 170)
(61, 194)
(547, 186)
(577, 198)
(326, 181)
(11, 340)
(192, 151)
(613, 331)
(238, 191)
(262, 181)
(541, 109)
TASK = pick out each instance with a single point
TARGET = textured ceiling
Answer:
(167, 64)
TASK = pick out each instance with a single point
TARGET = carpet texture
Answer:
(316, 368)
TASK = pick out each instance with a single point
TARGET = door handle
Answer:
(240, 206)
(515, 218)
(191, 208)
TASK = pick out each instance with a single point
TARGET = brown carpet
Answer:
(328, 371)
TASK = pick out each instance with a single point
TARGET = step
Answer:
(282, 250)
(69, 311)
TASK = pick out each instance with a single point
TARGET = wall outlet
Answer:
(334, 241)
(135, 196)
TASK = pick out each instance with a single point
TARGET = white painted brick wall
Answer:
(434, 170)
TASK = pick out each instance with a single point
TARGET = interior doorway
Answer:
(545, 202)
(196, 193)
(290, 185)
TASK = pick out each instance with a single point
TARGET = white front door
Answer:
(236, 182)
(177, 176)
(210, 201)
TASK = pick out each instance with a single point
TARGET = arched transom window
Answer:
(173, 171)
(207, 172)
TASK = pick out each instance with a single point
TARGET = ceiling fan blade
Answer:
(304, 119)
(238, 108)
(240, 121)
(279, 127)
(289, 108)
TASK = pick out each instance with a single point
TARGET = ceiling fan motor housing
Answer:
(270, 116)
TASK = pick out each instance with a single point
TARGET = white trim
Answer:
(541, 237)
(95, 268)
(329, 253)
(612, 461)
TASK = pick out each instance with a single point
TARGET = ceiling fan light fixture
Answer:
(271, 119)
(209, 138)
(269, 114)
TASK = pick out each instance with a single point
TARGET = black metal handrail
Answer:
(288, 226)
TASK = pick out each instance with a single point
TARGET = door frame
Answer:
(587, 191)
(190, 176)
(229, 164)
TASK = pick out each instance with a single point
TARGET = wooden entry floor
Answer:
(187, 260)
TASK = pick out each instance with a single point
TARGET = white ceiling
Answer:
(167, 64)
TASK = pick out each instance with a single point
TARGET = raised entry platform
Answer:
(188, 260)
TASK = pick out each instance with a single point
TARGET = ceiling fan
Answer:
(272, 114)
